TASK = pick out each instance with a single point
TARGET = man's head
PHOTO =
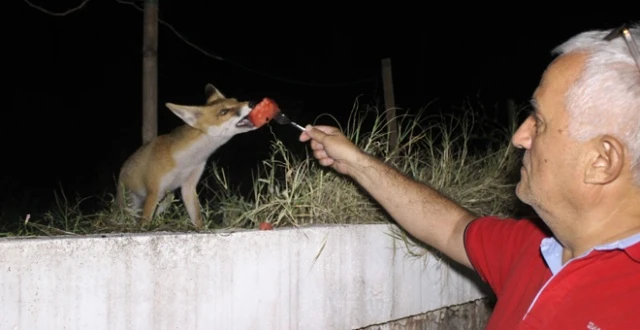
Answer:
(585, 130)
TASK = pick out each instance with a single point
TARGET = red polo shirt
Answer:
(521, 263)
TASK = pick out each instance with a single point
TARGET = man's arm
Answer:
(419, 209)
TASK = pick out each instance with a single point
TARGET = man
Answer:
(580, 173)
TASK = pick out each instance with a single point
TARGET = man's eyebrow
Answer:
(536, 108)
(534, 104)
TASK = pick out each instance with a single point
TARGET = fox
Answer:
(178, 159)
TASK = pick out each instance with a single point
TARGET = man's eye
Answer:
(538, 124)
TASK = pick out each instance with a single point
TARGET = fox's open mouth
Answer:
(244, 122)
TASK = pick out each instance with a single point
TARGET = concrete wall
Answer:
(242, 280)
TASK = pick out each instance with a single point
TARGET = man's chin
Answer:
(521, 193)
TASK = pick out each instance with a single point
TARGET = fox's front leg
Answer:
(190, 196)
(149, 207)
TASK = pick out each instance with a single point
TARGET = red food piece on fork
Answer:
(263, 112)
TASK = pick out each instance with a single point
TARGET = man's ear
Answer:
(608, 161)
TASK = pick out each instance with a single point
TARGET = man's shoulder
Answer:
(531, 227)
(495, 245)
(506, 233)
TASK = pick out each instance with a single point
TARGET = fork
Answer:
(282, 119)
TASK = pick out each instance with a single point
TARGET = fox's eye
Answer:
(223, 112)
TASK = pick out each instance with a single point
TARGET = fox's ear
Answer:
(188, 113)
(211, 92)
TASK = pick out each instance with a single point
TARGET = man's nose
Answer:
(522, 137)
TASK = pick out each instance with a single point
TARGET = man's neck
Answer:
(609, 223)
(574, 250)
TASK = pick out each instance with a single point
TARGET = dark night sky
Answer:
(75, 81)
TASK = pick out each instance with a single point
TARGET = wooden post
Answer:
(150, 71)
(389, 103)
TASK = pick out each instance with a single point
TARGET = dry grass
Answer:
(293, 190)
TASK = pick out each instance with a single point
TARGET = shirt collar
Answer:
(552, 250)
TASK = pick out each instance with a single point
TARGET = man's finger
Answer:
(315, 133)
(320, 154)
(315, 145)
(307, 134)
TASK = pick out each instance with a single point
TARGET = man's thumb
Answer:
(314, 133)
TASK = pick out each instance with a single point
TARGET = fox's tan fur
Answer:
(177, 159)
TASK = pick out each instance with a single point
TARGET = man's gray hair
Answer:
(606, 97)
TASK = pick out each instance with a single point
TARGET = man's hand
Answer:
(332, 148)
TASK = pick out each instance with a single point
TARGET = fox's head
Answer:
(219, 116)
